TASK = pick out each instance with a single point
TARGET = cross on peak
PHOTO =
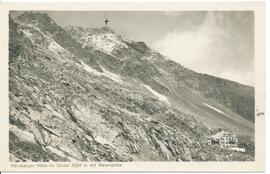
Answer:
(106, 21)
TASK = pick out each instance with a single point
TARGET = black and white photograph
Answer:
(131, 86)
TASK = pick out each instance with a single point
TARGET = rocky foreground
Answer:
(88, 95)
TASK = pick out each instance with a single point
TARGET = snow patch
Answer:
(212, 107)
(158, 95)
(53, 49)
(106, 73)
(89, 69)
(103, 42)
(114, 77)
(148, 119)
(39, 30)
(27, 33)
(56, 48)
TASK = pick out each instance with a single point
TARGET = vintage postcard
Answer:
(132, 87)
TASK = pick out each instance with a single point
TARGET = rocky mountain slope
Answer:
(89, 95)
(191, 91)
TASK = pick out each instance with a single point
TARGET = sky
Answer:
(219, 43)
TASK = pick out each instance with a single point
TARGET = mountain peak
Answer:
(107, 29)
(35, 18)
(90, 30)
(102, 30)
(27, 15)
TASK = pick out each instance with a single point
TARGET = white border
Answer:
(258, 165)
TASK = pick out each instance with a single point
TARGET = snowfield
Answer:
(114, 77)
(212, 107)
(56, 49)
(158, 95)
(103, 42)
(89, 69)
(106, 73)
